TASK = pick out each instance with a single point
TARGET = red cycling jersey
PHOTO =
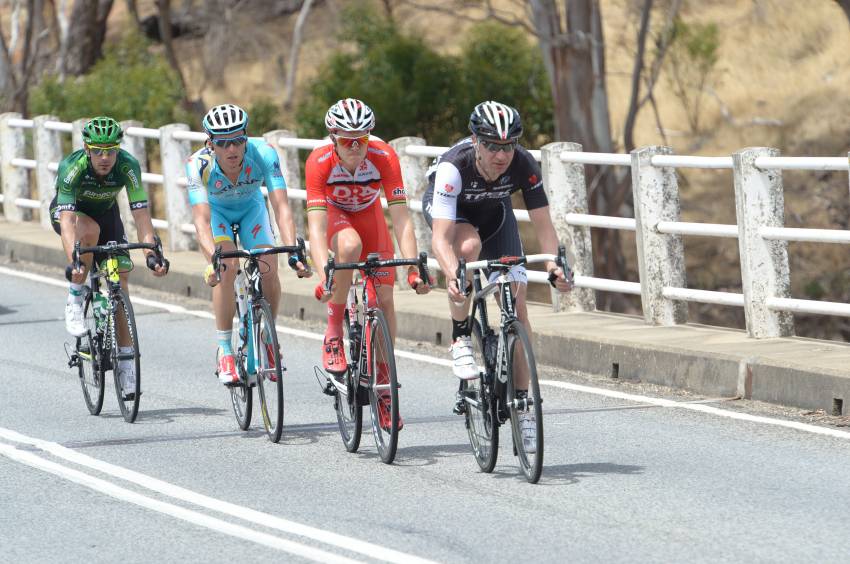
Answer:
(329, 182)
(354, 198)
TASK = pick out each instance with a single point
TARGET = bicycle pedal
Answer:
(459, 408)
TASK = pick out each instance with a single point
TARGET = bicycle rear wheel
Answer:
(383, 388)
(481, 422)
(89, 361)
(520, 356)
(130, 406)
(349, 412)
(269, 370)
(241, 396)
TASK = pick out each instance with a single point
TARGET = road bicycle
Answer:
(371, 377)
(490, 400)
(98, 350)
(257, 354)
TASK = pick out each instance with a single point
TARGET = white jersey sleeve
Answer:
(447, 188)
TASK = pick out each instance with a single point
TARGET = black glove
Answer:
(293, 262)
(153, 262)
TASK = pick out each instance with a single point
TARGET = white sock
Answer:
(75, 293)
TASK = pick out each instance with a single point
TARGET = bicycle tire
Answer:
(89, 360)
(349, 412)
(129, 408)
(269, 369)
(382, 392)
(481, 422)
(241, 395)
(530, 463)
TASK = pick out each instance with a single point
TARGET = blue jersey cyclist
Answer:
(224, 180)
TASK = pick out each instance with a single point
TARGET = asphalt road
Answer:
(625, 478)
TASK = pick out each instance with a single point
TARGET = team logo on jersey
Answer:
(255, 230)
(276, 172)
(222, 227)
(248, 173)
(218, 183)
(449, 188)
(398, 192)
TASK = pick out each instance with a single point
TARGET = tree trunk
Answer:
(293, 53)
(164, 7)
(86, 33)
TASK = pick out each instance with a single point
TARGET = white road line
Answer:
(574, 387)
(701, 408)
(194, 517)
(325, 537)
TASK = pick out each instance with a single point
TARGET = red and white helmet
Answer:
(350, 115)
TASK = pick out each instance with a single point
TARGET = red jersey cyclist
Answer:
(344, 182)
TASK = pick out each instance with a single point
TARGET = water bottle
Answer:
(241, 288)
(353, 326)
(100, 308)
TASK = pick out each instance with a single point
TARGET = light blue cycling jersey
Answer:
(208, 184)
(242, 203)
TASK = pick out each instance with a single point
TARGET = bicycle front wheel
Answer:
(269, 370)
(128, 390)
(89, 361)
(383, 388)
(349, 411)
(481, 423)
(526, 414)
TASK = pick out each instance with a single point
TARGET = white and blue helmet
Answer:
(224, 119)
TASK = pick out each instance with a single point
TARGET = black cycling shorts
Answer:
(111, 226)
(496, 225)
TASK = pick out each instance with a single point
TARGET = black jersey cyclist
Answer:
(84, 209)
(468, 206)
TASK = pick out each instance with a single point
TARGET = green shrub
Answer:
(264, 116)
(130, 82)
(416, 91)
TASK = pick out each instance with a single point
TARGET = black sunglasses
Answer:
(494, 147)
(225, 143)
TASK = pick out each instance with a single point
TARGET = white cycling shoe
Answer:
(528, 428)
(75, 322)
(463, 361)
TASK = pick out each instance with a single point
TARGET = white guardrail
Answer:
(762, 237)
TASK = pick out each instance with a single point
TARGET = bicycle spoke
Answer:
(269, 370)
(383, 389)
(349, 412)
(129, 390)
(89, 365)
(526, 415)
(478, 397)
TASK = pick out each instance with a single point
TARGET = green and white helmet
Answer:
(102, 130)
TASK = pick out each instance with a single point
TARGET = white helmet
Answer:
(350, 115)
(224, 119)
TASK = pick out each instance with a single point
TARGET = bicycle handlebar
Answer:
(112, 248)
(373, 262)
(299, 250)
(506, 263)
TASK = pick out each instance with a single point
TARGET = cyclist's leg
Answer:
(256, 232)
(375, 238)
(505, 241)
(224, 302)
(87, 231)
(345, 242)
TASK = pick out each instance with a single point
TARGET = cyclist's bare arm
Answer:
(201, 218)
(548, 239)
(283, 216)
(406, 237)
(317, 225)
(442, 243)
(145, 232)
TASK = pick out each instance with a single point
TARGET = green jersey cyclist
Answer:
(88, 182)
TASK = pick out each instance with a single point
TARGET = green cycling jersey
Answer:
(79, 189)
